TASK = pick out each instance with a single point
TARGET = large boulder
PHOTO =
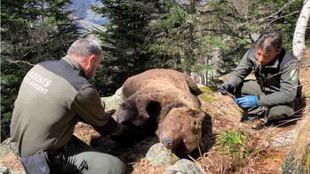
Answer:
(184, 166)
(9, 163)
(159, 155)
(298, 159)
(113, 102)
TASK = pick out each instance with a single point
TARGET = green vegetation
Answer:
(234, 142)
(207, 94)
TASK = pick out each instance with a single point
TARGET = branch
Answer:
(290, 14)
(19, 62)
(283, 7)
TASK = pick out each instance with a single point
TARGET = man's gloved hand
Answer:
(227, 88)
(123, 128)
(248, 101)
(126, 134)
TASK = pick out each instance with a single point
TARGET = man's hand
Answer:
(126, 134)
(227, 88)
(247, 101)
(126, 128)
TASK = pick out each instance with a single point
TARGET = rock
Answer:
(290, 166)
(9, 163)
(5, 170)
(284, 140)
(159, 155)
(297, 160)
(184, 166)
(112, 102)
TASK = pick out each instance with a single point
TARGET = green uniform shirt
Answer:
(52, 98)
(278, 80)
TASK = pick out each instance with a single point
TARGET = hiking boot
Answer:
(262, 123)
(246, 118)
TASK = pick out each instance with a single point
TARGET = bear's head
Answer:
(181, 129)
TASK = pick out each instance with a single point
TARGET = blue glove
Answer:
(249, 101)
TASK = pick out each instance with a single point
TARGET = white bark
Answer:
(300, 31)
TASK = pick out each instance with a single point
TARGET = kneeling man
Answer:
(276, 88)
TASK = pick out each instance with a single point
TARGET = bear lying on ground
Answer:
(165, 100)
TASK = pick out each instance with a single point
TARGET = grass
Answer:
(233, 142)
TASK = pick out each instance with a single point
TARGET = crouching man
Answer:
(273, 94)
(52, 98)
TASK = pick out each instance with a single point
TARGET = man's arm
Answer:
(88, 107)
(289, 84)
(243, 69)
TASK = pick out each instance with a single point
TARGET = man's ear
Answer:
(89, 61)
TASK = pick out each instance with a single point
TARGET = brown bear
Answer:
(167, 98)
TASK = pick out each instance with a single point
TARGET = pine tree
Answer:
(175, 35)
(125, 40)
(31, 31)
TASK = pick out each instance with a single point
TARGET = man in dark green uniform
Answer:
(52, 98)
(274, 92)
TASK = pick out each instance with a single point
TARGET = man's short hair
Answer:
(84, 47)
(269, 40)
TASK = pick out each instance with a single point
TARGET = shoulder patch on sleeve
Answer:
(293, 74)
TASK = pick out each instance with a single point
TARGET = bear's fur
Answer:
(167, 98)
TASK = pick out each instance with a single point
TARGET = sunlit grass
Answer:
(233, 142)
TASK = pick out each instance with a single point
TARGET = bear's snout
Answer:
(167, 142)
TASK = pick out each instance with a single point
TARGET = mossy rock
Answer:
(184, 166)
(112, 102)
(207, 95)
(159, 155)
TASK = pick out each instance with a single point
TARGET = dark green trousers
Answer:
(251, 87)
(78, 157)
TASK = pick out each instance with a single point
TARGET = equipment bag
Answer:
(36, 164)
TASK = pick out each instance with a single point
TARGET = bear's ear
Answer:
(197, 117)
(198, 114)
(196, 125)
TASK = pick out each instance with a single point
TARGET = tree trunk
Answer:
(300, 31)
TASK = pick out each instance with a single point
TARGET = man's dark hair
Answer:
(268, 41)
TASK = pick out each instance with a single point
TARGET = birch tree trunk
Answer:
(300, 31)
